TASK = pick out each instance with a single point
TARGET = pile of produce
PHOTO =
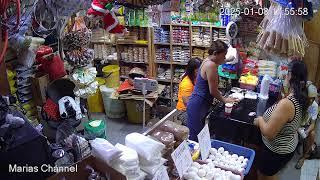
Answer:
(249, 79)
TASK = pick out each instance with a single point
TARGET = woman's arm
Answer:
(185, 99)
(212, 77)
(279, 117)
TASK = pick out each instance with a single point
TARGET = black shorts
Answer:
(270, 163)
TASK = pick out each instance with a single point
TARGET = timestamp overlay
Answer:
(244, 11)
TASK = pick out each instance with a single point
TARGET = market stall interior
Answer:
(90, 89)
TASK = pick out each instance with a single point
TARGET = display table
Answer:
(238, 127)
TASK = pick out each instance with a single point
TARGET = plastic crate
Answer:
(239, 150)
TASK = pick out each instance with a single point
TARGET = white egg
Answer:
(208, 160)
(187, 175)
(211, 165)
(226, 153)
(210, 175)
(240, 170)
(213, 151)
(197, 178)
(192, 175)
(221, 150)
(193, 169)
(246, 160)
(234, 156)
(202, 173)
(229, 157)
(196, 164)
(236, 177)
(244, 165)
(211, 157)
(241, 158)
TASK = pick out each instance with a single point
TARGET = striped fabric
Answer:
(287, 140)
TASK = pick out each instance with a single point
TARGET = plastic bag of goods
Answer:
(146, 147)
(180, 132)
(104, 150)
(128, 163)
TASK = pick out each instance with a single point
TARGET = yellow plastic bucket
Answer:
(111, 74)
(95, 101)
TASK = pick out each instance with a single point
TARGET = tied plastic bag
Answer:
(166, 138)
(153, 168)
(104, 150)
(145, 146)
(180, 132)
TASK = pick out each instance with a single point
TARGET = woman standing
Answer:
(186, 87)
(280, 123)
(206, 88)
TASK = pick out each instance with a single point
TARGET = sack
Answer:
(104, 150)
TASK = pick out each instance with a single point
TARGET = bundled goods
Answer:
(249, 66)
(124, 71)
(128, 163)
(175, 91)
(200, 53)
(149, 151)
(178, 73)
(181, 35)
(166, 92)
(181, 54)
(106, 52)
(84, 78)
(80, 57)
(100, 35)
(282, 70)
(161, 35)
(248, 81)
(228, 71)
(215, 34)
(164, 74)
(23, 84)
(282, 33)
(180, 132)
(163, 54)
(135, 54)
(267, 68)
(201, 36)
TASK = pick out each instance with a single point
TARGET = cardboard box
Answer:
(82, 173)
(40, 82)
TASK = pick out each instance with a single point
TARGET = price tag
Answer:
(161, 174)
(182, 158)
(204, 142)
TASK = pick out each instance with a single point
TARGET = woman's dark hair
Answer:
(298, 82)
(193, 64)
(217, 47)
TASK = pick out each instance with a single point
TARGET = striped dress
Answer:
(287, 139)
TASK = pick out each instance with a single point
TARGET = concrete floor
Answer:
(118, 129)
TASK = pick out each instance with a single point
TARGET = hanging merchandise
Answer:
(75, 43)
(282, 33)
(103, 8)
(84, 78)
(52, 65)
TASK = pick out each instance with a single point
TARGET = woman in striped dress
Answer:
(280, 123)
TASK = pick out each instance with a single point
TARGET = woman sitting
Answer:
(186, 87)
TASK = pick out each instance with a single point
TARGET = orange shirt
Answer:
(185, 89)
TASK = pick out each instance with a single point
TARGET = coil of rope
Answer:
(4, 6)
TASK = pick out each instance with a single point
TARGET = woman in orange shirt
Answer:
(186, 88)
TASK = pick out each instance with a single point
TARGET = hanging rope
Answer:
(4, 4)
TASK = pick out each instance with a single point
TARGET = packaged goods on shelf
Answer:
(250, 66)
(134, 54)
(166, 93)
(181, 35)
(163, 54)
(181, 54)
(200, 36)
(164, 74)
(178, 72)
(175, 92)
(161, 35)
(103, 51)
(267, 68)
(200, 53)
(102, 36)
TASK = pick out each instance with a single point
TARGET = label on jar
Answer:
(204, 142)
(182, 158)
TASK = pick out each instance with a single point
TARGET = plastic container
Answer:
(95, 101)
(135, 111)
(239, 150)
(96, 132)
(111, 74)
(113, 107)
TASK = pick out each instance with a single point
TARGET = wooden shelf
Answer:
(132, 43)
(163, 62)
(166, 98)
(180, 44)
(180, 63)
(103, 42)
(184, 25)
(124, 77)
(164, 80)
(134, 62)
(203, 46)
